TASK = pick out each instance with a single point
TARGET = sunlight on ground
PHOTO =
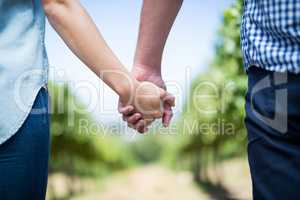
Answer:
(156, 182)
(148, 183)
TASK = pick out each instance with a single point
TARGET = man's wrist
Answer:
(147, 69)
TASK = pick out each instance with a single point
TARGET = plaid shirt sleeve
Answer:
(270, 34)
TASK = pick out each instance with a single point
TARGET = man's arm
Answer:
(157, 19)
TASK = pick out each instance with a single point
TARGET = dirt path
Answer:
(148, 183)
(156, 182)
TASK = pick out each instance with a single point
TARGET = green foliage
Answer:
(211, 127)
(147, 149)
(214, 113)
(77, 147)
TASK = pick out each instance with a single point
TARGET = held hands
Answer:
(146, 98)
(150, 102)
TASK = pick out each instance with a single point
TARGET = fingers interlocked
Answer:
(140, 122)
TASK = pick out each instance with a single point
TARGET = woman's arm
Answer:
(77, 29)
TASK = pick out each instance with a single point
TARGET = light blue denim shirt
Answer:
(23, 61)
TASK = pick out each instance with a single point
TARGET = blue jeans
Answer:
(274, 146)
(24, 157)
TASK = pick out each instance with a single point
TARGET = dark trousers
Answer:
(273, 125)
(24, 157)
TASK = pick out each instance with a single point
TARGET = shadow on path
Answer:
(215, 191)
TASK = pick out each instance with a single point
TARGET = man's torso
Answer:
(270, 34)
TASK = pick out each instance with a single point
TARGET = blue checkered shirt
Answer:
(270, 34)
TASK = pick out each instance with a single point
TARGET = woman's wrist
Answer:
(119, 80)
(126, 89)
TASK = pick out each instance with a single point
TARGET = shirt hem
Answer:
(271, 68)
(19, 123)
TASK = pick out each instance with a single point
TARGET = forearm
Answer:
(78, 31)
(157, 19)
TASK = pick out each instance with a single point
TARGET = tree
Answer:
(214, 113)
(78, 148)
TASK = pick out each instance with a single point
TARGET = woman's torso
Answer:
(23, 61)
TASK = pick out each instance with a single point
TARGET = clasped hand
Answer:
(149, 101)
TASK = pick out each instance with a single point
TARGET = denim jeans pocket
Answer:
(264, 107)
